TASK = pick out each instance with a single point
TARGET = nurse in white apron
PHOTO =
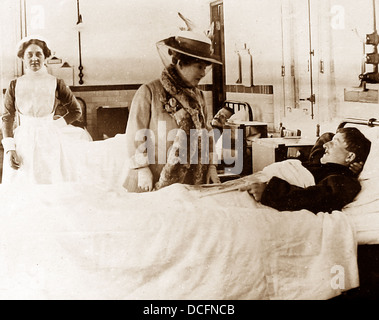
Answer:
(37, 148)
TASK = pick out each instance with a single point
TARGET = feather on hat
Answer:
(191, 42)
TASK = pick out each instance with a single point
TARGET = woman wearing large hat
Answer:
(169, 138)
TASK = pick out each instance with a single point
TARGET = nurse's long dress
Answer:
(56, 154)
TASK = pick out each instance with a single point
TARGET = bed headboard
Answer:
(239, 105)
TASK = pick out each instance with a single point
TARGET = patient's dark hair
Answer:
(356, 142)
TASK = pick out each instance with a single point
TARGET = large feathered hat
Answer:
(189, 41)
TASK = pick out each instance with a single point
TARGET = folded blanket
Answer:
(291, 171)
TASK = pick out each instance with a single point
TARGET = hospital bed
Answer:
(87, 241)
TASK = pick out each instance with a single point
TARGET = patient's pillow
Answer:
(368, 197)
(240, 115)
(364, 209)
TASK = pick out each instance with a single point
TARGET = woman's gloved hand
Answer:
(212, 176)
(13, 159)
(145, 179)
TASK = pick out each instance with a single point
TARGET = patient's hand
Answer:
(356, 167)
(256, 189)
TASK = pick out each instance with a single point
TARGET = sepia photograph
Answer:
(205, 151)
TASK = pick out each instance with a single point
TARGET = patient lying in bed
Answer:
(335, 184)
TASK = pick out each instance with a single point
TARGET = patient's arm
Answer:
(331, 193)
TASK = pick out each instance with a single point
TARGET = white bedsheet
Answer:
(364, 213)
(77, 241)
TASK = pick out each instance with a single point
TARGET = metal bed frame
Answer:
(239, 105)
(372, 122)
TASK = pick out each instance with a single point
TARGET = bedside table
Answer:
(269, 150)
